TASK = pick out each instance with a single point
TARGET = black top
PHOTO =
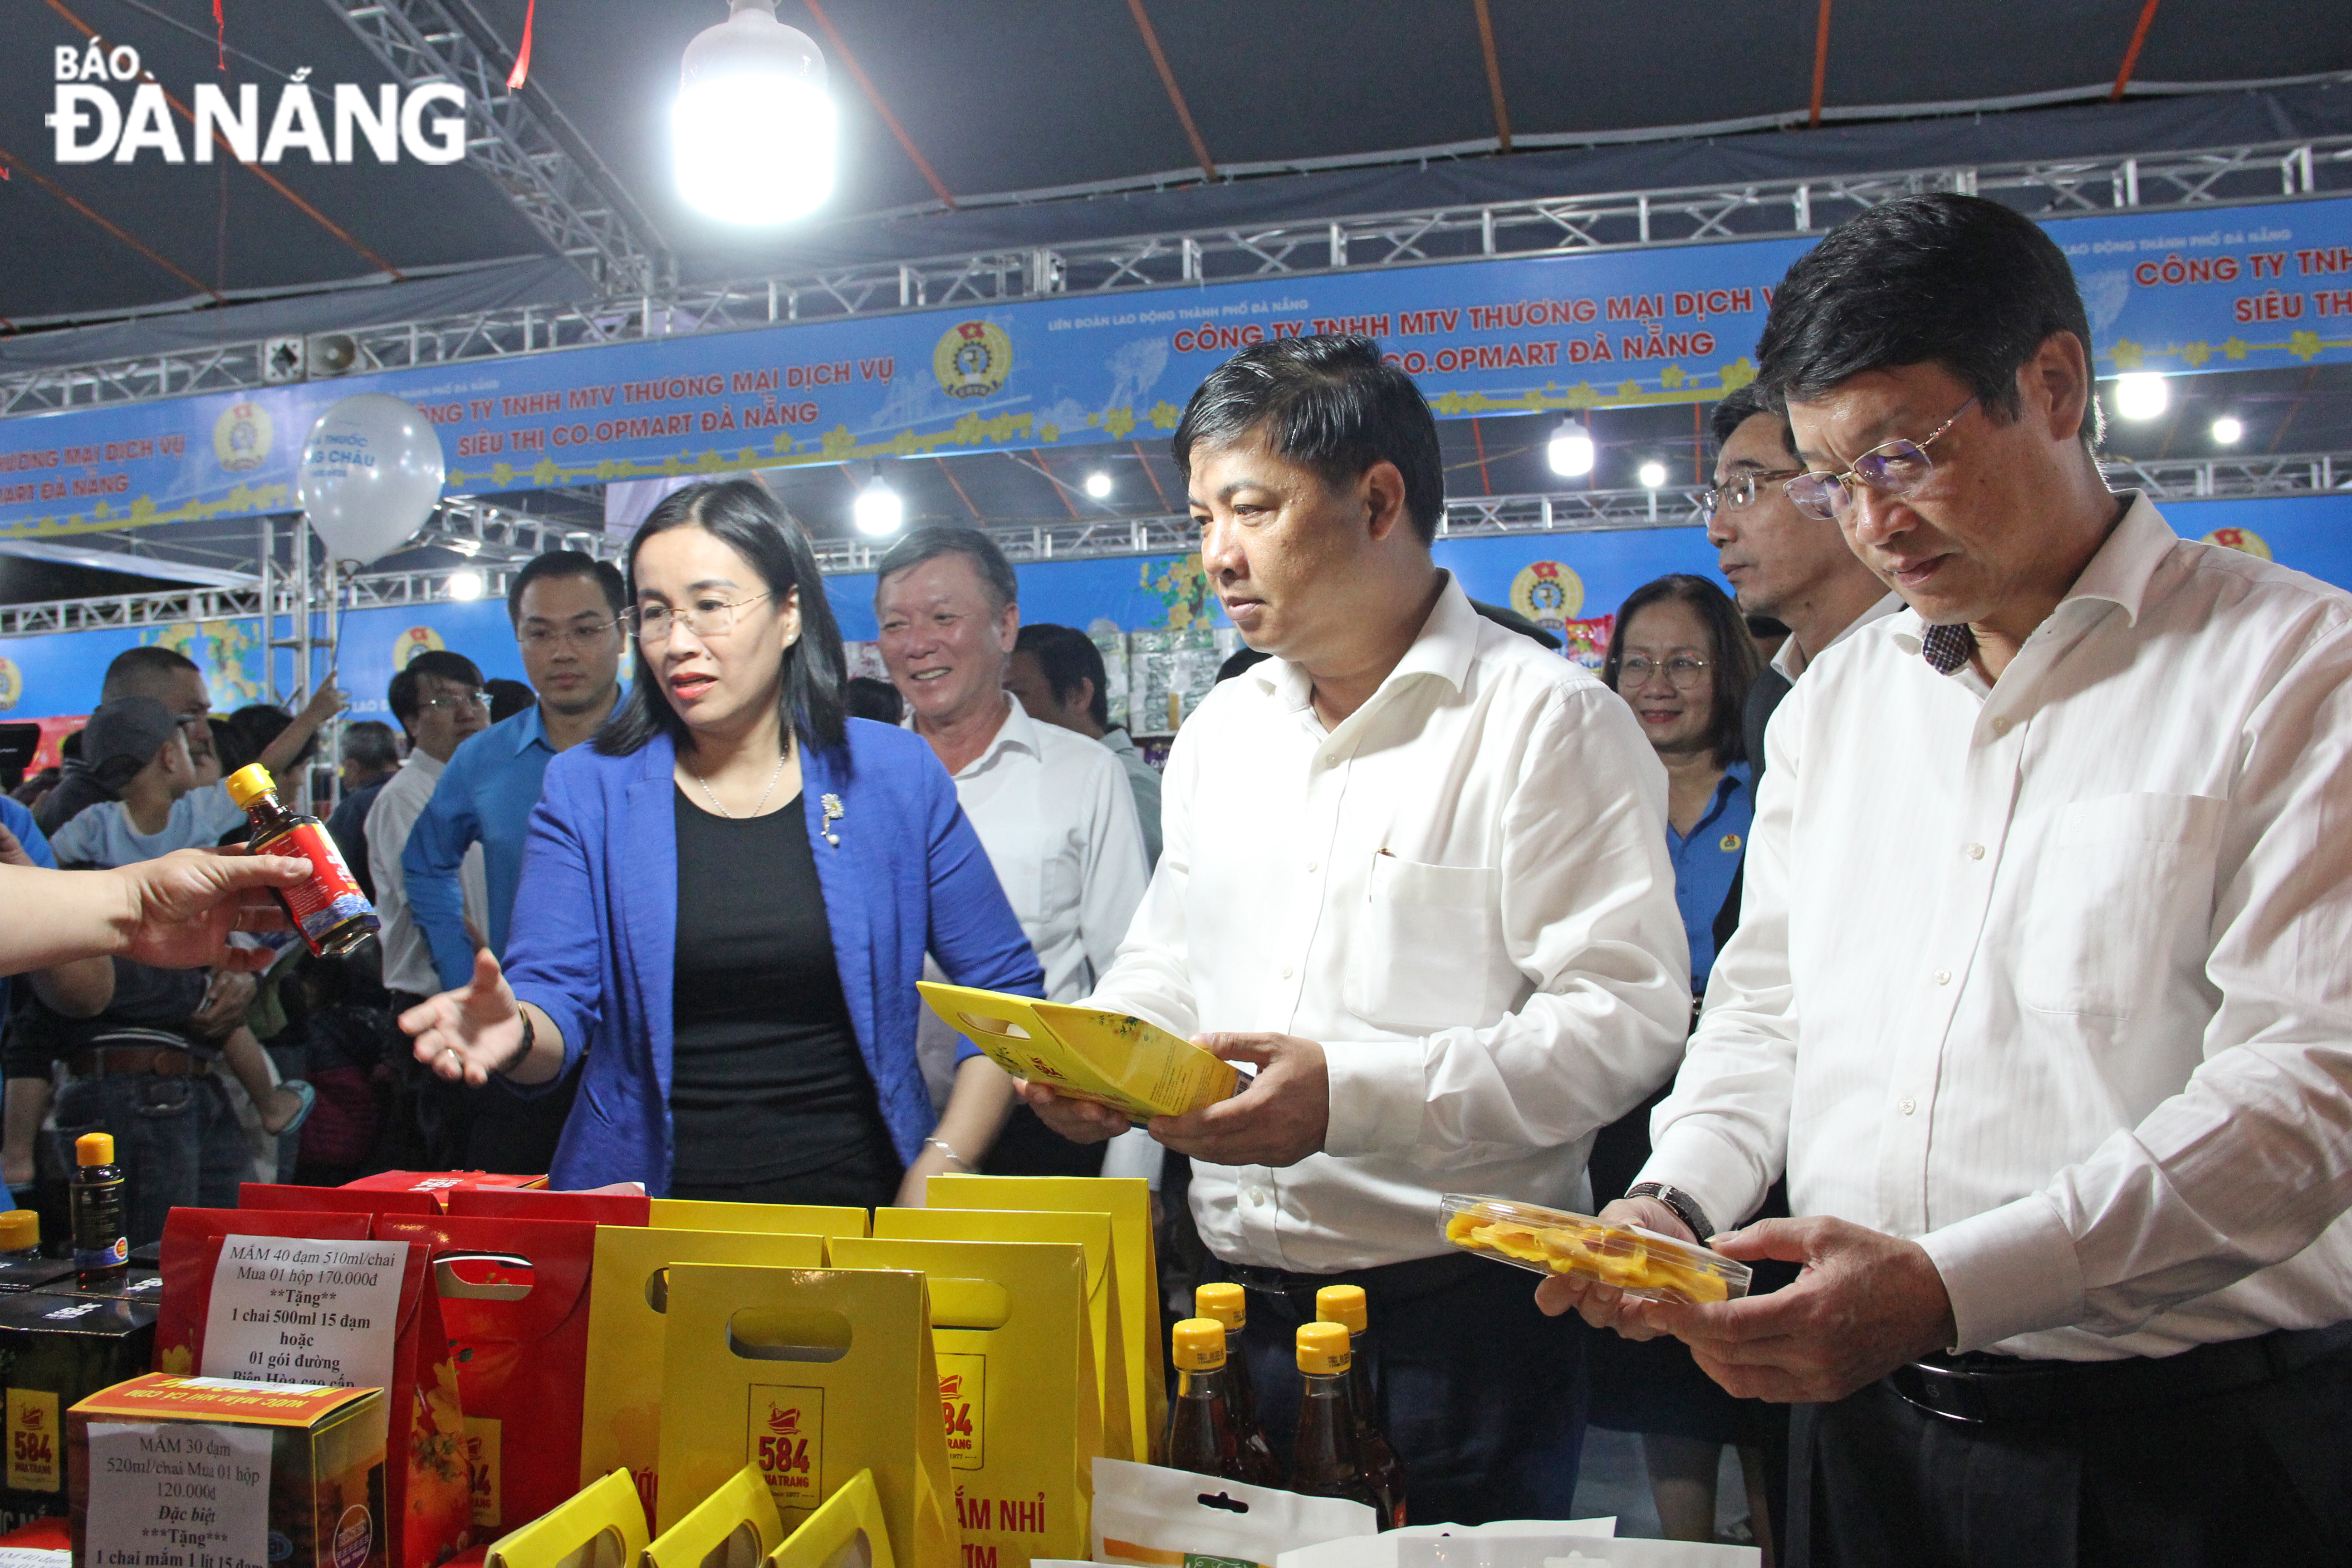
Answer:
(766, 1077)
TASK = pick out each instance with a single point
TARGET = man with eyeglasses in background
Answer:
(565, 608)
(2039, 990)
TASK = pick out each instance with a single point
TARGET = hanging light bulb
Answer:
(465, 586)
(1570, 450)
(753, 127)
(880, 511)
(1099, 485)
(1651, 475)
(2228, 431)
(2141, 396)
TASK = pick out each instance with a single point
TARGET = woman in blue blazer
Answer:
(726, 900)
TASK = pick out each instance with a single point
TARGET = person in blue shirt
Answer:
(727, 901)
(1681, 657)
(565, 608)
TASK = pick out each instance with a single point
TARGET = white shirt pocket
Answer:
(2121, 879)
(1419, 954)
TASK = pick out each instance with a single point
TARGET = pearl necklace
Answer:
(763, 794)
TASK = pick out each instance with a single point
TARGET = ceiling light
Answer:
(2141, 396)
(1570, 450)
(1651, 475)
(2228, 431)
(880, 511)
(1099, 484)
(465, 585)
(753, 127)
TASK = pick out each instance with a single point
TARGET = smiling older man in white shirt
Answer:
(1414, 868)
(2039, 990)
(1052, 808)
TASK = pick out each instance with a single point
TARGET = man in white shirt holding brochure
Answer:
(1414, 872)
(2039, 989)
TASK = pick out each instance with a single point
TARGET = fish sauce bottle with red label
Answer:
(330, 910)
(1345, 1305)
(101, 1248)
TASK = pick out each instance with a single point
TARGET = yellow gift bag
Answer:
(809, 1375)
(1127, 1201)
(1023, 1424)
(734, 1527)
(601, 1527)
(788, 1219)
(621, 1424)
(1091, 1232)
(848, 1530)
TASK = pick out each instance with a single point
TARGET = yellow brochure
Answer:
(628, 1297)
(1084, 1052)
(848, 1530)
(1127, 1201)
(737, 1523)
(1106, 1370)
(1024, 1425)
(809, 1375)
(601, 1526)
(790, 1219)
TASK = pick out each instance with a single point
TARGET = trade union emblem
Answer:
(972, 360)
(1547, 593)
(12, 684)
(241, 437)
(1728, 843)
(413, 641)
(2244, 539)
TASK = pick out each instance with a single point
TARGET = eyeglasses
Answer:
(479, 699)
(1897, 468)
(1683, 671)
(706, 618)
(1740, 492)
(570, 636)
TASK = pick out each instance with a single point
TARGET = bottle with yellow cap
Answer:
(20, 1237)
(1324, 1458)
(1344, 1305)
(1227, 1304)
(101, 1249)
(1202, 1436)
(329, 909)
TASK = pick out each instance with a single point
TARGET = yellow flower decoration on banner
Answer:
(2196, 354)
(1672, 377)
(1166, 415)
(2304, 346)
(2127, 355)
(1120, 423)
(1737, 373)
(2233, 348)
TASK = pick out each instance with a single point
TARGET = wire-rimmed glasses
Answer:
(706, 617)
(1895, 469)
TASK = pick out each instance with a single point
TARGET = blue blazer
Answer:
(593, 941)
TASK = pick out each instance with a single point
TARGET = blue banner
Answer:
(2230, 288)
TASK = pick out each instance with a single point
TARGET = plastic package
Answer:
(1642, 1263)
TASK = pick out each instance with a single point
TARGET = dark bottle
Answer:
(101, 1249)
(1344, 1304)
(1324, 1459)
(1227, 1304)
(20, 1237)
(329, 909)
(1201, 1435)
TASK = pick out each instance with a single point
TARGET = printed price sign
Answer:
(178, 1495)
(285, 1310)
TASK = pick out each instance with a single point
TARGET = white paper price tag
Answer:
(290, 1310)
(178, 1494)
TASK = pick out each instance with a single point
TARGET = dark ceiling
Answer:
(1039, 96)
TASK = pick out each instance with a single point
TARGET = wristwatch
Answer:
(1686, 1207)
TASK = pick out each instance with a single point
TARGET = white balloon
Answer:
(370, 475)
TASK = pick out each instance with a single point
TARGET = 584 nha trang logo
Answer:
(93, 122)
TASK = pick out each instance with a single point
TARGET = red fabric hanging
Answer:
(521, 72)
(220, 36)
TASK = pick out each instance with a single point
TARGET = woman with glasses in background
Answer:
(1681, 657)
(726, 900)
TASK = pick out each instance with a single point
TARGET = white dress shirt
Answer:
(407, 956)
(1461, 890)
(1789, 661)
(2051, 975)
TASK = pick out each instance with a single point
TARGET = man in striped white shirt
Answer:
(2040, 991)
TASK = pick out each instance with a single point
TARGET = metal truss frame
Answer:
(1690, 216)
(497, 541)
(523, 144)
